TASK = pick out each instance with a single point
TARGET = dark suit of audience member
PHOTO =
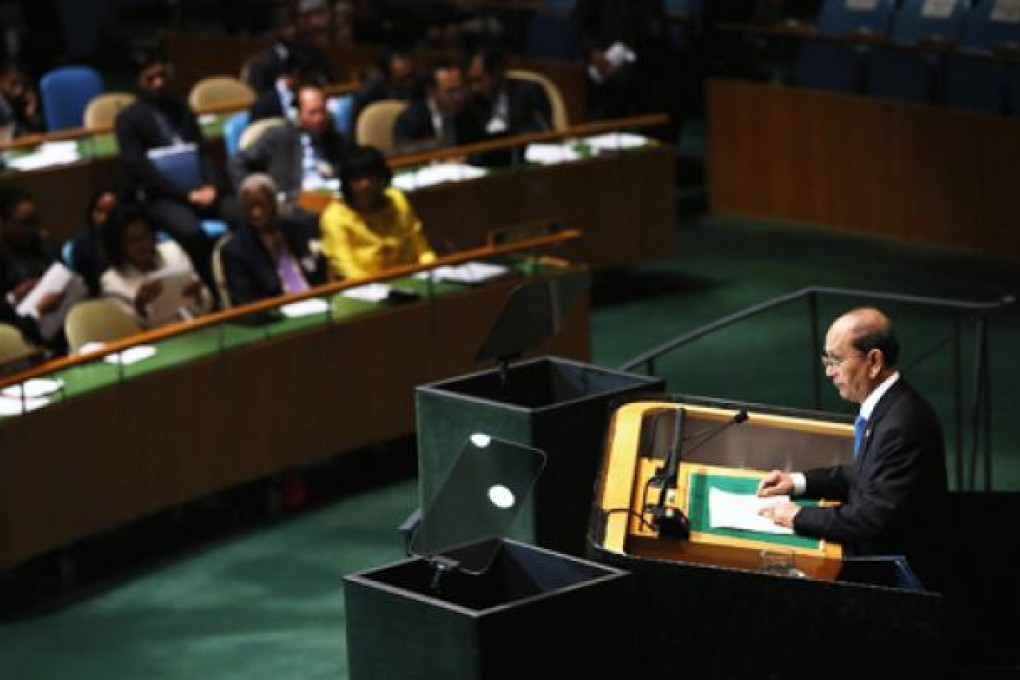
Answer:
(397, 77)
(267, 257)
(19, 102)
(504, 106)
(158, 119)
(629, 55)
(439, 119)
(303, 154)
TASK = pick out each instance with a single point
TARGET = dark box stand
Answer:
(533, 613)
(553, 404)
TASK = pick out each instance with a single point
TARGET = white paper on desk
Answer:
(46, 155)
(469, 272)
(613, 141)
(15, 407)
(370, 292)
(33, 388)
(550, 154)
(172, 297)
(437, 174)
(132, 355)
(57, 278)
(740, 511)
(304, 308)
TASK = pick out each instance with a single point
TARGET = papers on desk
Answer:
(370, 292)
(437, 174)
(469, 272)
(613, 141)
(550, 154)
(132, 355)
(308, 307)
(171, 298)
(33, 388)
(56, 279)
(46, 155)
(740, 511)
(16, 406)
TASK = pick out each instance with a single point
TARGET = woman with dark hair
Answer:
(85, 252)
(375, 227)
(140, 267)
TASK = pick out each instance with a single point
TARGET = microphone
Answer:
(670, 521)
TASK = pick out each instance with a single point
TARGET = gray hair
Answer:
(258, 181)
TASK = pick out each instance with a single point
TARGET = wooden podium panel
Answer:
(635, 453)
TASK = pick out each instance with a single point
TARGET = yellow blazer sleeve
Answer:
(335, 246)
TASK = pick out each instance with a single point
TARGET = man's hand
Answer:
(50, 302)
(776, 483)
(781, 513)
(203, 197)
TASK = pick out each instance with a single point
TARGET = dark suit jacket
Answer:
(894, 493)
(278, 153)
(250, 270)
(138, 130)
(267, 104)
(414, 128)
(529, 108)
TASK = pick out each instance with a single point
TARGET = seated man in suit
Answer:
(265, 67)
(267, 257)
(397, 77)
(155, 120)
(504, 106)
(306, 153)
(280, 100)
(440, 118)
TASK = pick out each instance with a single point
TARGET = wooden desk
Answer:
(916, 174)
(250, 402)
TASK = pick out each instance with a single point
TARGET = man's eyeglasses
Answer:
(829, 361)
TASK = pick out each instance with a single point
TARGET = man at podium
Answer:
(893, 493)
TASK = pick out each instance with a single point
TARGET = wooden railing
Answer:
(242, 311)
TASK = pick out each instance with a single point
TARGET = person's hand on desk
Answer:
(778, 483)
(202, 196)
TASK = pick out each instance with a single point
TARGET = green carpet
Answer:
(254, 600)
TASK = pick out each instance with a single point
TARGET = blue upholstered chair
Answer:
(65, 92)
(831, 66)
(980, 82)
(342, 110)
(910, 75)
(232, 130)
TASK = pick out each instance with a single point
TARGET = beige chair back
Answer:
(254, 130)
(214, 91)
(374, 126)
(103, 108)
(13, 345)
(560, 119)
(219, 273)
(98, 320)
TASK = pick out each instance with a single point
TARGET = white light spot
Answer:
(502, 497)
(480, 440)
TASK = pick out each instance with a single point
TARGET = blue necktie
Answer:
(859, 425)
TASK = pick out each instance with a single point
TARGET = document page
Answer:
(171, 298)
(740, 511)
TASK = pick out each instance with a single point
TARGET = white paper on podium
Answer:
(307, 307)
(740, 511)
(33, 388)
(469, 272)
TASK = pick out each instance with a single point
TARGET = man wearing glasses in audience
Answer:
(893, 493)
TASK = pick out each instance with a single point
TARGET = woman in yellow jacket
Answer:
(375, 227)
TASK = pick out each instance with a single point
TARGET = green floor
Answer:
(255, 600)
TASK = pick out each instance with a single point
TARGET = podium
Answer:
(473, 605)
(705, 602)
(550, 403)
